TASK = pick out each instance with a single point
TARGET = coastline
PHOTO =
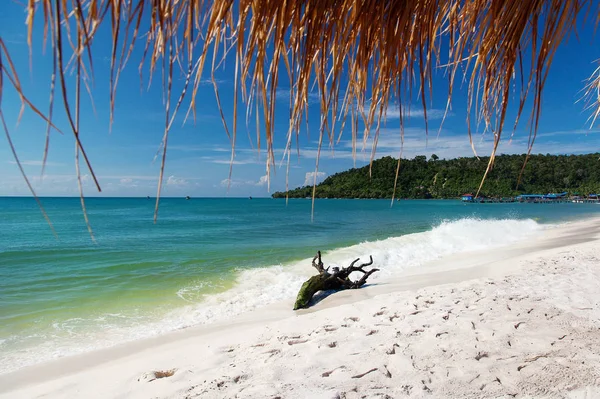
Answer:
(209, 359)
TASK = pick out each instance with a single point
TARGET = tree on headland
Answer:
(451, 178)
(357, 67)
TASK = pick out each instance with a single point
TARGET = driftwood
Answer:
(338, 279)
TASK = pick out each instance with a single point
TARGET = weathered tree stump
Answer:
(338, 279)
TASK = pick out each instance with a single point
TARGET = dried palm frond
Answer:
(592, 96)
(357, 54)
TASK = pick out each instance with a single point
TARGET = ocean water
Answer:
(207, 260)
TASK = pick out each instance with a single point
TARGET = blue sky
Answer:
(199, 154)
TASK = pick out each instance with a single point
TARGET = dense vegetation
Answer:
(437, 178)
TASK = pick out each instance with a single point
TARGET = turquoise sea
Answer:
(207, 260)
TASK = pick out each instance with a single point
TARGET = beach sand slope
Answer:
(514, 327)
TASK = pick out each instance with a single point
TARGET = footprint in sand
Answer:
(271, 353)
(382, 311)
(297, 341)
(328, 373)
(327, 328)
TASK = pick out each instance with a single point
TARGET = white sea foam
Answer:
(263, 286)
(260, 287)
(196, 290)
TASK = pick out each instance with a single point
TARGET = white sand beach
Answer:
(513, 322)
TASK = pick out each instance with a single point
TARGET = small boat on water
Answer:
(467, 197)
(187, 197)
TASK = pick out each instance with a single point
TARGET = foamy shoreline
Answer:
(256, 288)
(418, 335)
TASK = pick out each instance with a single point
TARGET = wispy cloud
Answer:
(263, 181)
(36, 163)
(234, 162)
(16, 38)
(314, 177)
(176, 181)
(432, 113)
(283, 95)
(243, 156)
(236, 183)
(449, 145)
(209, 82)
(444, 143)
(393, 112)
(194, 148)
(128, 177)
(568, 132)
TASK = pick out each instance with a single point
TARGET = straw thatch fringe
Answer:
(358, 54)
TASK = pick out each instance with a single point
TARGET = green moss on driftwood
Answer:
(338, 279)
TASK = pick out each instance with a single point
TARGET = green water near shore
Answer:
(67, 295)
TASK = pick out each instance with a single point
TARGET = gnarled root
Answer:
(337, 279)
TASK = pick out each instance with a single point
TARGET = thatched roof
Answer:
(359, 54)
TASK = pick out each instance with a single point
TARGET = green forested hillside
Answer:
(436, 178)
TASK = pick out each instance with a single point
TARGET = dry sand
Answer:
(520, 321)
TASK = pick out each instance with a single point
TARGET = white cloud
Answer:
(236, 162)
(176, 181)
(432, 113)
(393, 112)
(263, 181)
(35, 163)
(568, 132)
(309, 178)
(283, 95)
(236, 183)
(444, 143)
(450, 145)
(51, 180)
(209, 82)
